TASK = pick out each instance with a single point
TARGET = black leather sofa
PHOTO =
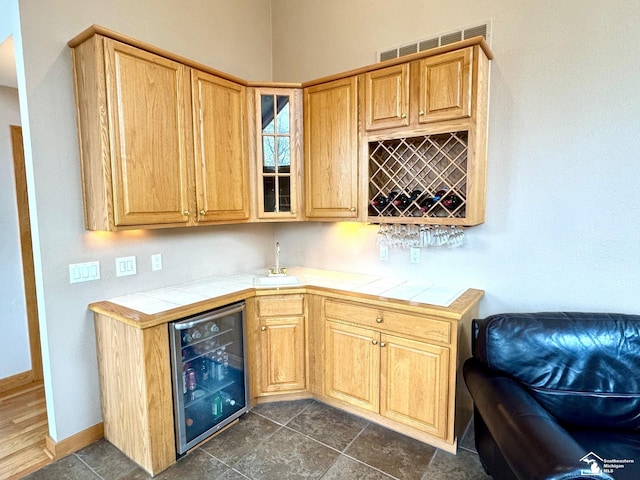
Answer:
(557, 395)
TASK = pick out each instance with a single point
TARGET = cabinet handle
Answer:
(404, 115)
(353, 209)
(379, 320)
(263, 328)
(203, 213)
(185, 213)
(383, 344)
(421, 112)
(375, 342)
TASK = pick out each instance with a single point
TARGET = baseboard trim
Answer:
(15, 381)
(72, 444)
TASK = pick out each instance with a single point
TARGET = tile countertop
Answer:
(138, 308)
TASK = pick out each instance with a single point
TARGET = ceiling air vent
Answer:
(389, 54)
(427, 44)
(408, 49)
(450, 38)
(476, 31)
(437, 41)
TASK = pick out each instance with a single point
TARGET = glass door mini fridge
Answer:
(209, 373)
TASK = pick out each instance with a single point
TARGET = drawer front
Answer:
(281, 306)
(389, 320)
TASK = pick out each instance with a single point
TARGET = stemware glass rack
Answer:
(420, 179)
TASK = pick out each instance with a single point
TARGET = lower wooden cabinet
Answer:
(414, 383)
(135, 391)
(279, 331)
(401, 379)
(397, 366)
(352, 365)
(388, 361)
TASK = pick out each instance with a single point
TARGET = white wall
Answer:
(563, 205)
(231, 36)
(14, 341)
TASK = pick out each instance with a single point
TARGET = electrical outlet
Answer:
(156, 262)
(84, 272)
(384, 253)
(415, 255)
(125, 266)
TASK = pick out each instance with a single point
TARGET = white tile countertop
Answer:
(162, 299)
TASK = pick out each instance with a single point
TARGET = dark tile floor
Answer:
(288, 440)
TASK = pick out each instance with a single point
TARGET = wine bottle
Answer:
(402, 201)
(216, 405)
(379, 203)
(439, 194)
(451, 202)
(427, 204)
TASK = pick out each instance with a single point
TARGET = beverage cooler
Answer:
(209, 373)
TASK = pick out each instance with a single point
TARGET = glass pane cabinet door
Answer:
(277, 152)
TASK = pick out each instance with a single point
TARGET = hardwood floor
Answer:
(23, 426)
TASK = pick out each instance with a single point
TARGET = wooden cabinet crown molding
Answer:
(470, 42)
(97, 29)
(105, 32)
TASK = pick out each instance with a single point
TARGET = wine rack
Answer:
(419, 179)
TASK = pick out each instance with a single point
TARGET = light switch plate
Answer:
(125, 266)
(415, 255)
(84, 272)
(156, 262)
(384, 253)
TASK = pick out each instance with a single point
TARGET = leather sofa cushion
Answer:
(584, 368)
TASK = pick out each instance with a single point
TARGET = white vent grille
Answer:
(437, 41)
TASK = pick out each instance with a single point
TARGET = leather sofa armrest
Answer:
(533, 444)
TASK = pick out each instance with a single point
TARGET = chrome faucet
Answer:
(277, 270)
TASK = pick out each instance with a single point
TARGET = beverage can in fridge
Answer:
(191, 379)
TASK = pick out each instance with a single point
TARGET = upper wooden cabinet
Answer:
(165, 141)
(429, 90)
(275, 128)
(445, 86)
(331, 150)
(387, 97)
(222, 170)
(423, 149)
(134, 121)
(138, 115)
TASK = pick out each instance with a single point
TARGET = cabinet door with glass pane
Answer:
(278, 153)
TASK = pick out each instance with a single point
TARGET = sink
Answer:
(276, 281)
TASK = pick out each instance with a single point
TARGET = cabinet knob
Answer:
(203, 213)
(353, 209)
(404, 115)
(421, 112)
(185, 213)
(375, 342)
(379, 320)
(263, 328)
(293, 212)
(383, 344)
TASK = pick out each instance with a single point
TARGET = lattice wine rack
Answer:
(419, 180)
